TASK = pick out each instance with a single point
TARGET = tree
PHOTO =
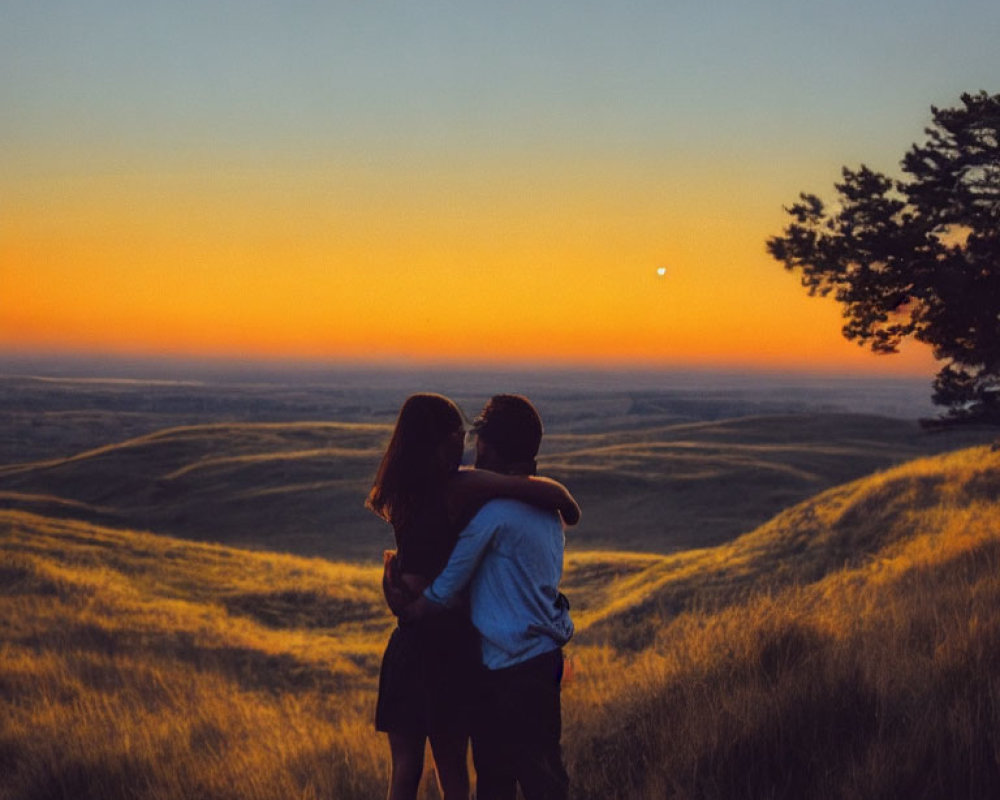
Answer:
(918, 257)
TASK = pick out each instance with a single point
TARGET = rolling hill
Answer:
(848, 527)
(298, 487)
(845, 648)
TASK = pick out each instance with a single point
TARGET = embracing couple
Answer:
(474, 582)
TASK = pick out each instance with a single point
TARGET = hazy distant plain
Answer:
(281, 458)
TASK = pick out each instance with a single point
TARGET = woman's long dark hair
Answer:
(410, 474)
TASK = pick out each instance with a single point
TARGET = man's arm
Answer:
(448, 585)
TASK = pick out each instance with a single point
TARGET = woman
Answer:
(428, 670)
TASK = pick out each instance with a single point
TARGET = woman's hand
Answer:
(395, 592)
(399, 588)
(569, 510)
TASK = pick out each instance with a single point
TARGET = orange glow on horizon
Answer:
(503, 267)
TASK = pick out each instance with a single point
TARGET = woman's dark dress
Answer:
(427, 680)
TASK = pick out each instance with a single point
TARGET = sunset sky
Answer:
(461, 182)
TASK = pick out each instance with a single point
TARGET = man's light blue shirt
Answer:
(510, 555)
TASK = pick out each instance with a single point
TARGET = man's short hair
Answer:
(510, 424)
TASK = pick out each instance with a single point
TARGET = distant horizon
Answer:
(107, 366)
(734, 391)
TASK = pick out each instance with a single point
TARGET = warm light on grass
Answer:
(871, 679)
(845, 649)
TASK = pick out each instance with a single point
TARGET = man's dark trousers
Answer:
(516, 736)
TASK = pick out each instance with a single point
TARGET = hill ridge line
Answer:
(14, 469)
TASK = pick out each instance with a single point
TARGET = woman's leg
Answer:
(407, 765)
(450, 759)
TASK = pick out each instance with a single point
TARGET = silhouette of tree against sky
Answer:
(919, 256)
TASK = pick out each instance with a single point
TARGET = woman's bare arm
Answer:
(473, 487)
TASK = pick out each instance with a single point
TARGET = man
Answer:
(509, 557)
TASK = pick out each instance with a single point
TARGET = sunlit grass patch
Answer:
(845, 649)
(878, 679)
(135, 665)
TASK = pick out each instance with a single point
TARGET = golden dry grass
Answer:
(847, 648)
(139, 666)
(874, 675)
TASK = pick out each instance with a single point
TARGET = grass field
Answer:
(862, 664)
(298, 487)
(845, 648)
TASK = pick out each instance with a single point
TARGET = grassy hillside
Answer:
(691, 485)
(139, 666)
(298, 486)
(847, 648)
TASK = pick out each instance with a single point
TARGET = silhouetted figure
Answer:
(509, 558)
(428, 684)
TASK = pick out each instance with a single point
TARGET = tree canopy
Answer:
(918, 256)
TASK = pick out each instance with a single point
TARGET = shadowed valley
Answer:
(299, 486)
